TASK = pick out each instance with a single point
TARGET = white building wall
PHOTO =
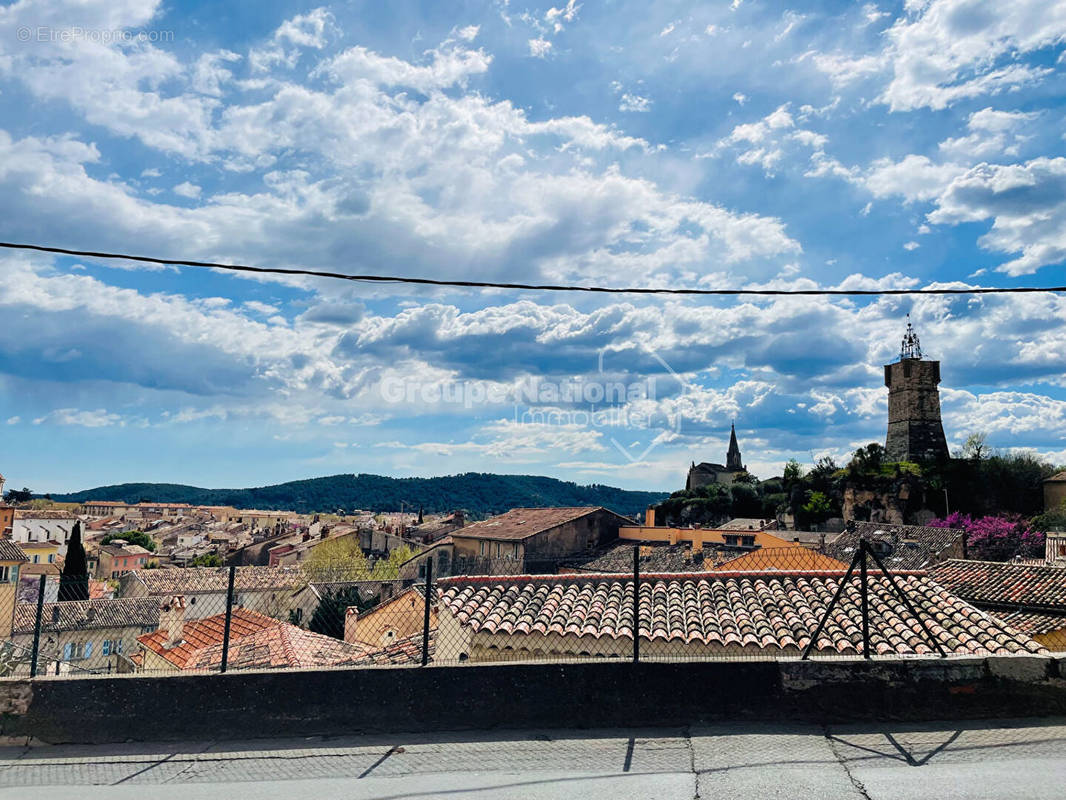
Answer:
(24, 531)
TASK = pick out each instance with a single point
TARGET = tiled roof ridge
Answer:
(675, 576)
(954, 561)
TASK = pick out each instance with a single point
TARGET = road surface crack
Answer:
(859, 786)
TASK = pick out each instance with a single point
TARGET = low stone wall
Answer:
(401, 700)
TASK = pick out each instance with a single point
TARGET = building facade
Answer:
(532, 539)
(48, 525)
(915, 430)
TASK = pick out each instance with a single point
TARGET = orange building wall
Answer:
(1053, 640)
(698, 537)
(7, 519)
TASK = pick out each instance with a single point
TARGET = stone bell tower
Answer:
(915, 432)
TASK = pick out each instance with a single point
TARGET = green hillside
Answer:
(476, 492)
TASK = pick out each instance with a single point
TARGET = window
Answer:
(118, 645)
(68, 651)
(106, 648)
(51, 558)
(88, 650)
(484, 547)
(514, 550)
(9, 574)
(36, 558)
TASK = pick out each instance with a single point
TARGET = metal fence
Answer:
(761, 604)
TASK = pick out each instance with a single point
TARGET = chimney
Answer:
(649, 517)
(172, 620)
(351, 616)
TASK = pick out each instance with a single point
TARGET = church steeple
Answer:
(732, 458)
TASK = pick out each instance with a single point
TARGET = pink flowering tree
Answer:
(995, 538)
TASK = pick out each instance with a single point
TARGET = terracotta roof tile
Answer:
(407, 650)
(1033, 624)
(772, 610)
(910, 546)
(9, 551)
(201, 633)
(1020, 585)
(279, 646)
(189, 580)
(75, 615)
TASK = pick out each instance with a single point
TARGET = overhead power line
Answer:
(537, 287)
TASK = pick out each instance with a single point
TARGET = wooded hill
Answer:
(480, 494)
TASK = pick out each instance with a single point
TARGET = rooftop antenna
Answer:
(911, 347)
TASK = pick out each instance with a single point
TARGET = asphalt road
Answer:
(995, 759)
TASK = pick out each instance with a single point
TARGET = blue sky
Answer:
(668, 144)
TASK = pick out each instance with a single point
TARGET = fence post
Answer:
(425, 614)
(636, 603)
(864, 588)
(229, 620)
(37, 627)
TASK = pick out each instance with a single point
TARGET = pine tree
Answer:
(74, 581)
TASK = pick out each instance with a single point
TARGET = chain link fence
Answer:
(763, 604)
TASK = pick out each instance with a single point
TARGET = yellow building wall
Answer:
(41, 550)
(395, 619)
(7, 607)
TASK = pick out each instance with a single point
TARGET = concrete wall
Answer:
(392, 700)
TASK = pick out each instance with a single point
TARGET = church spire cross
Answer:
(911, 347)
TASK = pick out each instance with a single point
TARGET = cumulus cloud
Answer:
(539, 48)
(1027, 206)
(186, 189)
(944, 51)
(634, 102)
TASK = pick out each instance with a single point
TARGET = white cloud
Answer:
(539, 48)
(310, 30)
(634, 102)
(992, 133)
(913, 178)
(14, 420)
(947, 50)
(98, 418)
(909, 246)
(740, 97)
(667, 30)
(1027, 206)
(944, 51)
(469, 33)
(448, 67)
(186, 189)
(557, 16)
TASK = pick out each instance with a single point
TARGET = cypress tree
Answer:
(74, 580)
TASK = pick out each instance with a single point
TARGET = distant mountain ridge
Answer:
(479, 493)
